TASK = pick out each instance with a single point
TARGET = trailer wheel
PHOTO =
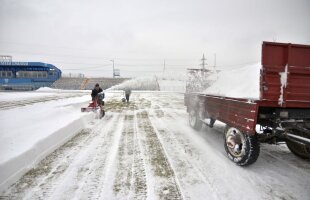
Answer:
(194, 120)
(300, 150)
(241, 148)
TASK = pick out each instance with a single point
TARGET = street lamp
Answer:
(113, 67)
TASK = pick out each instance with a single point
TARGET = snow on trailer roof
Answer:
(242, 82)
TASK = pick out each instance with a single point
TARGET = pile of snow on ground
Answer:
(237, 83)
(29, 133)
(48, 89)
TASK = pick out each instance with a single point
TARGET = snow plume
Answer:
(283, 80)
(199, 80)
(141, 83)
(172, 82)
(172, 75)
(172, 85)
(242, 82)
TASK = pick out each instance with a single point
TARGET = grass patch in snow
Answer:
(119, 106)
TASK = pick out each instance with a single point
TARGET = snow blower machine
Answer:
(96, 106)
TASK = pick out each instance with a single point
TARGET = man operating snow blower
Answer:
(95, 91)
(97, 101)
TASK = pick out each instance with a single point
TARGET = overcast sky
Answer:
(82, 36)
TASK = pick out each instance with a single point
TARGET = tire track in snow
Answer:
(130, 176)
(189, 173)
(164, 185)
(86, 178)
(139, 182)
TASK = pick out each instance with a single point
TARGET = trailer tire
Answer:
(194, 120)
(247, 150)
(300, 150)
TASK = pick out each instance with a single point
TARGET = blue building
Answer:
(27, 75)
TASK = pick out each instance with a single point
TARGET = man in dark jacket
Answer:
(96, 91)
(127, 94)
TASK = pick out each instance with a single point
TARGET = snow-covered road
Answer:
(146, 150)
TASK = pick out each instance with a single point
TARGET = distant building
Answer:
(27, 75)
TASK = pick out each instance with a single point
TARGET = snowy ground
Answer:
(146, 150)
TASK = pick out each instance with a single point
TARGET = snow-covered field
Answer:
(141, 150)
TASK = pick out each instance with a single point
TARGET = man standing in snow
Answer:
(127, 94)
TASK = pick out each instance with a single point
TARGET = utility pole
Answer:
(203, 64)
(215, 66)
(214, 60)
(164, 68)
(113, 67)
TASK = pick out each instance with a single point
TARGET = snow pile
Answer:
(243, 82)
(29, 133)
(14, 96)
(48, 89)
(141, 83)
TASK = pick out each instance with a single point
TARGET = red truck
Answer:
(286, 121)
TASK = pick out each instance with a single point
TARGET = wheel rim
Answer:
(192, 118)
(235, 142)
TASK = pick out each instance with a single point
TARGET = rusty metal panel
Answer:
(240, 113)
(276, 57)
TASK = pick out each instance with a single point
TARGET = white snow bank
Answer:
(243, 82)
(140, 83)
(48, 89)
(29, 133)
(15, 96)
(40, 93)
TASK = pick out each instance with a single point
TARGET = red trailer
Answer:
(282, 113)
